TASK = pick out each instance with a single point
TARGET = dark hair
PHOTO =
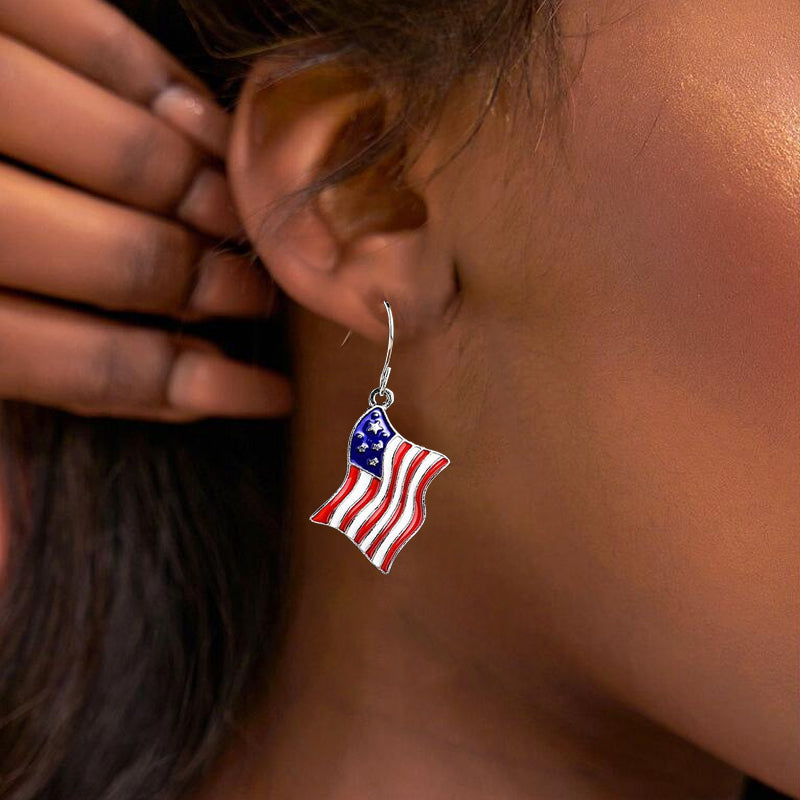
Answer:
(144, 589)
(415, 52)
(147, 565)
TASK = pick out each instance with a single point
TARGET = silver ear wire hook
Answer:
(386, 368)
(382, 390)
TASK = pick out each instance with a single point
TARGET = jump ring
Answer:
(387, 393)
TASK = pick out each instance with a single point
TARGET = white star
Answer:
(374, 426)
(361, 448)
(373, 462)
(359, 435)
(377, 446)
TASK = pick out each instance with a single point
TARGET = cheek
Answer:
(680, 331)
(693, 190)
(653, 328)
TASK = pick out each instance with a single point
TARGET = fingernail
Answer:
(208, 205)
(229, 285)
(198, 117)
(213, 385)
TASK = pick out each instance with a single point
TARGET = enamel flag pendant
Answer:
(380, 504)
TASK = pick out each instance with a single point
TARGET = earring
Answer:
(380, 504)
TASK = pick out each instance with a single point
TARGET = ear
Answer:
(341, 251)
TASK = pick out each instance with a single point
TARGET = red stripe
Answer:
(414, 524)
(371, 492)
(376, 514)
(326, 512)
(400, 506)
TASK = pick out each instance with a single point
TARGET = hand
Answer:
(110, 196)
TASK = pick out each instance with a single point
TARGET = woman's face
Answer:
(627, 389)
(618, 387)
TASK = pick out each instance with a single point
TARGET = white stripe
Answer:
(363, 515)
(352, 497)
(408, 511)
(397, 496)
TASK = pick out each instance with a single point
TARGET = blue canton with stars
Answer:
(369, 439)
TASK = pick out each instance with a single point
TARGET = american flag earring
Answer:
(380, 504)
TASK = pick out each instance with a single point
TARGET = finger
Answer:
(60, 242)
(231, 285)
(105, 144)
(63, 358)
(197, 116)
(96, 39)
(100, 42)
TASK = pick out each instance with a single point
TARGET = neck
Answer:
(395, 687)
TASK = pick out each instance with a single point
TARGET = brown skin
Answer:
(609, 609)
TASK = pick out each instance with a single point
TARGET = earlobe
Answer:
(341, 250)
